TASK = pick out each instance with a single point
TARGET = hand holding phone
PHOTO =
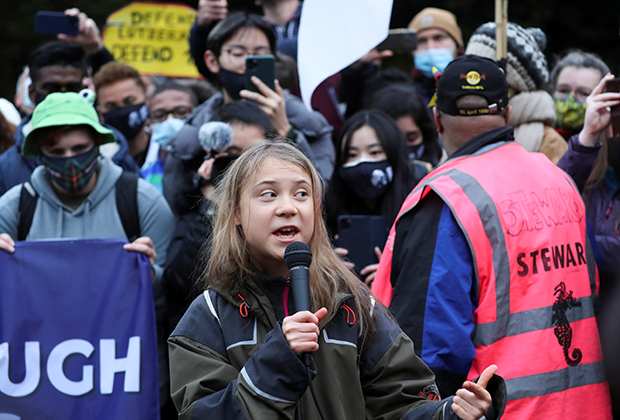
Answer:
(262, 88)
(613, 85)
(263, 67)
(54, 23)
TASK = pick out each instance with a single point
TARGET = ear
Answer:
(438, 120)
(31, 92)
(237, 218)
(508, 111)
(211, 62)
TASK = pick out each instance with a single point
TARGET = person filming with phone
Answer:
(593, 161)
(231, 42)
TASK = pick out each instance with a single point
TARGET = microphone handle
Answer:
(299, 284)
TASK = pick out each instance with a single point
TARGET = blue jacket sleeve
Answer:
(434, 291)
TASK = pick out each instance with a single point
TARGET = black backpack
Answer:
(126, 205)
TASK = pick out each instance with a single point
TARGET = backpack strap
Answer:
(127, 204)
(28, 198)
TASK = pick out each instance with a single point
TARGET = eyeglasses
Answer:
(180, 112)
(240, 53)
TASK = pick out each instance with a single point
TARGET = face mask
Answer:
(570, 113)
(232, 82)
(426, 60)
(72, 173)
(367, 179)
(165, 130)
(38, 97)
(129, 120)
(415, 152)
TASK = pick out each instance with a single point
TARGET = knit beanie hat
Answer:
(526, 66)
(433, 18)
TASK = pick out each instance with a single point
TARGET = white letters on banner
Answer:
(109, 365)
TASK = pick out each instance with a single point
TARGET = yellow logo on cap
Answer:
(473, 77)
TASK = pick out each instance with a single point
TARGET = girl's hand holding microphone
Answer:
(301, 330)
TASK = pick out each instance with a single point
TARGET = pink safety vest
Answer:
(524, 221)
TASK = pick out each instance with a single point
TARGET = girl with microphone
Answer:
(237, 352)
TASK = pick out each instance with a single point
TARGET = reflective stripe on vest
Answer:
(540, 329)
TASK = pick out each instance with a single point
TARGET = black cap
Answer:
(472, 75)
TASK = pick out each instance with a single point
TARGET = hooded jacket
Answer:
(229, 359)
(96, 217)
(15, 169)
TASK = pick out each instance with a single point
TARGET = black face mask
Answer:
(415, 152)
(367, 179)
(129, 120)
(232, 82)
(39, 97)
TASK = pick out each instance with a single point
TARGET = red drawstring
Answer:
(244, 307)
(350, 314)
(608, 210)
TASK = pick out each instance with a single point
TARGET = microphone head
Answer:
(297, 254)
(215, 136)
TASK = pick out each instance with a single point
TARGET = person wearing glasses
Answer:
(169, 106)
(572, 80)
(228, 44)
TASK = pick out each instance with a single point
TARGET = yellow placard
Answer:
(152, 37)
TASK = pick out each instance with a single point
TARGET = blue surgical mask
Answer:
(427, 59)
(165, 130)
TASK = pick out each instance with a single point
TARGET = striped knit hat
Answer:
(526, 67)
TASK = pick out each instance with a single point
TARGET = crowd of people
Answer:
(485, 197)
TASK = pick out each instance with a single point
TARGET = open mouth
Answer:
(286, 232)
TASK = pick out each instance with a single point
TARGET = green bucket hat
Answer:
(64, 108)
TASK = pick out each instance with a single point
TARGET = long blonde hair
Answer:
(229, 261)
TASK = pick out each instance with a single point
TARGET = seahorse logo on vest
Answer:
(563, 302)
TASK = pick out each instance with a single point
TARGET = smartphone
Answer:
(54, 23)
(613, 85)
(360, 234)
(399, 40)
(263, 67)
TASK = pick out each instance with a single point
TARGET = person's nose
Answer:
(286, 206)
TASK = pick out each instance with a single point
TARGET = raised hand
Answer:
(473, 400)
(272, 103)
(210, 11)
(598, 114)
(89, 36)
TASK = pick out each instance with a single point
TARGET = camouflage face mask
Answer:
(570, 113)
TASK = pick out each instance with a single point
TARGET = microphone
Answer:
(215, 137)
(297, 258)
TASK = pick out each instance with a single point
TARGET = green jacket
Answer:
(229, 363)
